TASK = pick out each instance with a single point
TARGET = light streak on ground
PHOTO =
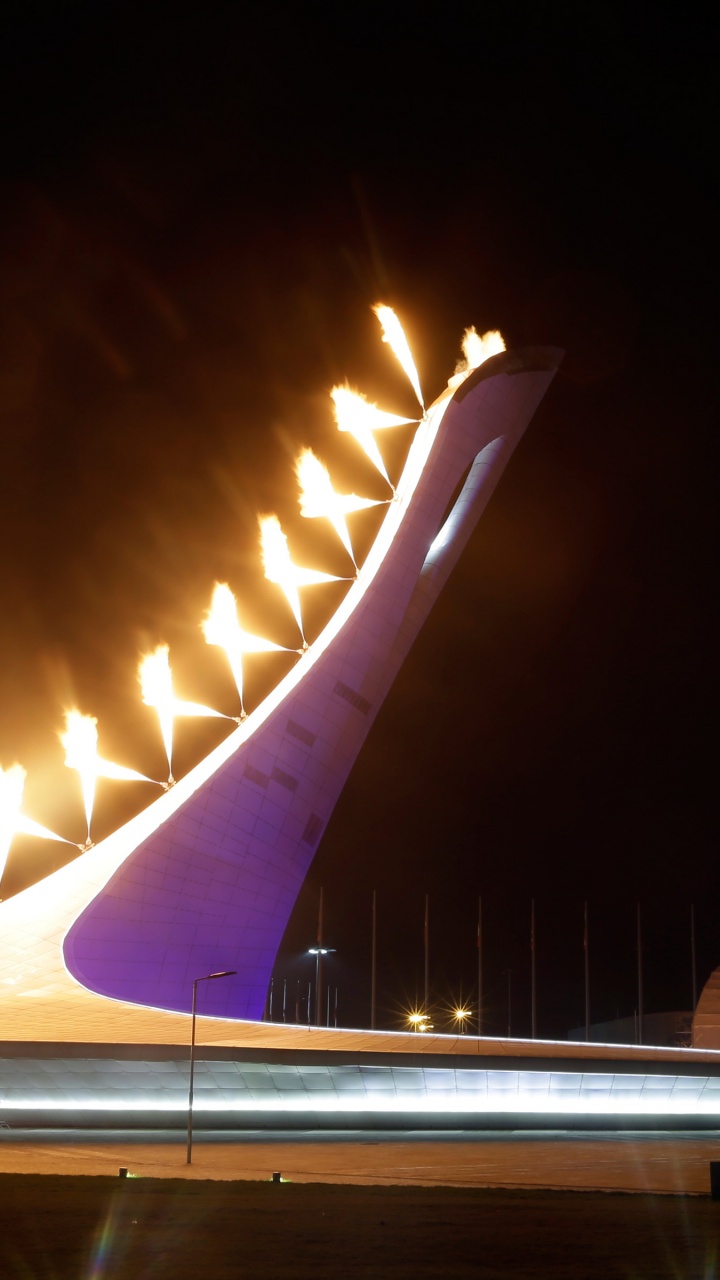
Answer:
(12, 821)
(356, 415)
(222, 627)
(476, 350)
(155, 679)
(319, 498)
(394, 335)
(280, 569)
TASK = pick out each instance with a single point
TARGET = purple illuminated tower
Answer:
(211, 881)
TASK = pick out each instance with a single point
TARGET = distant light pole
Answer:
(373, 962)
(533, 1004)
(318, 953)
(692, 957)
(640, 1030)
(427, 950)
(208, 977)
(586, 948)
(480, 969)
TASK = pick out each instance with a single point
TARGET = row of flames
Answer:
(318, 499)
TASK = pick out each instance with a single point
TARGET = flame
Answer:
(12, 820)
(156, 683)
(80, 741)
(222, 627)
(356, 415)
(318, 498)
(476, 350)
(394, 335)
(12, 783)
(280, 569)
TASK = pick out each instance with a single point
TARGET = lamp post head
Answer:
(207, 977)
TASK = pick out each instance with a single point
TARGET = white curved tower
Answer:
(206, 877)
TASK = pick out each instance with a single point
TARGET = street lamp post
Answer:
(318, 952)
(208, 977)
(461, 1015)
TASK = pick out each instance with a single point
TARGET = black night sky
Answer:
(197, 208)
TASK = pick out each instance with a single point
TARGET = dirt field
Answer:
(669, 1163)
(89, 1228)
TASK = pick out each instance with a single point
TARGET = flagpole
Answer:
(480, 970)
(586, 948)
(427, 954)
(693, 957)
(373, 961)
(318, 965)
(640, 976)
(532, 968)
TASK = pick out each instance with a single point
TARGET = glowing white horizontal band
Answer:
(438, 1104)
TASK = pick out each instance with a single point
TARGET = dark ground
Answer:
(102, 1227)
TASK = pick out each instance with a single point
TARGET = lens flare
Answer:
(357, 416)
(222, 627)
(394, 335)
(318, 498)
(156, 683)
(476, 350)
(280, 569)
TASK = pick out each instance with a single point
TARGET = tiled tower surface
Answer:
(706, 1022)
(211, 881)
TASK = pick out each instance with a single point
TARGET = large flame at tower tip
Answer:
(476, 350)
(394, 335)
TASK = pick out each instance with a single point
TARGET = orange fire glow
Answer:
(476, 350)
(318, 498)
(222, 627)
(12, 821)
(357, 416)
(80, 741)
(156, 683)
(394, 335)
(280, 569)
